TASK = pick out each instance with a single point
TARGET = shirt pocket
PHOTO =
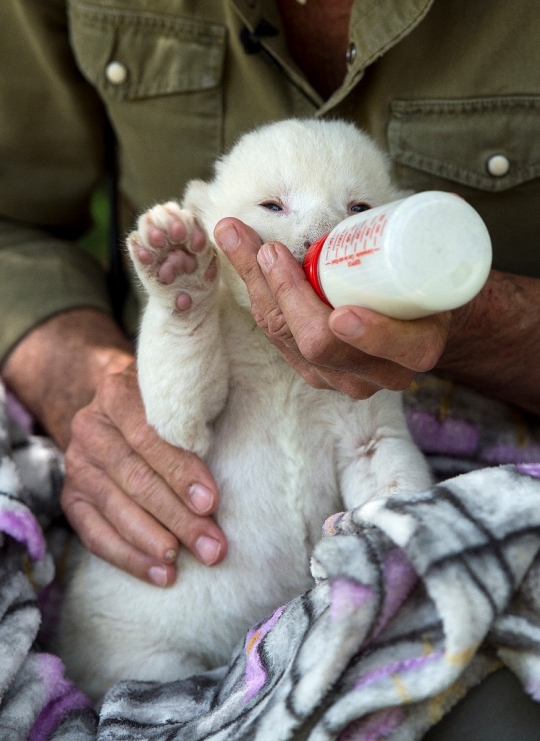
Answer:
(491, 144)
(160, 77)
(487, 150)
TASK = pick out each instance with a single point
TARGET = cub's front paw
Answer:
(173, 256)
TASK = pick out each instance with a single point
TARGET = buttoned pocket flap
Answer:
(492, 144)
(133, 55)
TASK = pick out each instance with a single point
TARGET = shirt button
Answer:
(350, 56)
(498, 165)
(116, 72)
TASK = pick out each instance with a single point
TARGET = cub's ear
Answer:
(196, 196)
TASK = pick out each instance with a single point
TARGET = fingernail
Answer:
(267, 256)
(208, 549)
(201, 497)
(170, 555)
(347, 324)
(158, 575)
(227, 238)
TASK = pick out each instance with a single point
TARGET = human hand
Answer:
(349, 349)
(132, 497)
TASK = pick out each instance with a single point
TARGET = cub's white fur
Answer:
(285, 456)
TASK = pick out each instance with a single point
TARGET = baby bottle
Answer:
(410, 258)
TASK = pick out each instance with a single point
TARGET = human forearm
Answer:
(494, 342)
(55, 369)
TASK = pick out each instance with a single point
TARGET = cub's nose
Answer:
(316, 229)
(316, 235)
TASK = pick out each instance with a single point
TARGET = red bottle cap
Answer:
(311, 267)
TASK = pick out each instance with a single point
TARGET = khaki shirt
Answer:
(444, 86)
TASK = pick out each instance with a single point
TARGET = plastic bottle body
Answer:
(410, 258)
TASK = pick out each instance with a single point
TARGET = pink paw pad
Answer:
(183, 301)
(176, 263)
(171, 249)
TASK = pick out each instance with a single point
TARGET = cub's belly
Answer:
(276, 473)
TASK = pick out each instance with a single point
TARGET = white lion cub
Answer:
(284, 455)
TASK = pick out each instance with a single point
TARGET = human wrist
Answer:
(55, 369)
(456, 354)
(488, 339)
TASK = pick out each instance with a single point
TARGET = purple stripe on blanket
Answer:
(62, 698)
(346, 596)
(449, 437)
(501, 453)
(533, 689)
(50, 602)
(399, 578)
(23, 527)
(376, 726)
(531, 469)
(329, 527)
(19, 414)
(415, 662)
(255, 672)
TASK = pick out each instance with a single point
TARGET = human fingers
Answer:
(416, 344)
(87, 482)
(295, 320)
(118, 400)
(241, 245)
(171, 492)
(354, 371)
(102, 539)
(134, 498)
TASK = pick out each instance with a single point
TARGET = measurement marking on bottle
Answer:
(354, 259)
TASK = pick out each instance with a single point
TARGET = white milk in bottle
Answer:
(410, 258)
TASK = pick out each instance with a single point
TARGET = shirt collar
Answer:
(376, 26)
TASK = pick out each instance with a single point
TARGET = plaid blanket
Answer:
(416, 599)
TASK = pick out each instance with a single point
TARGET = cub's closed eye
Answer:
(357, 208)
(271, 206)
